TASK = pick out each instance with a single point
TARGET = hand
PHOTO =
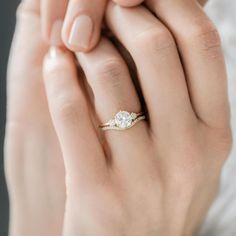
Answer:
(82, 25)
(161, 176)
(33, 160)
(79, 20)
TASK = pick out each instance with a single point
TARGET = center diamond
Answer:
(123, 119)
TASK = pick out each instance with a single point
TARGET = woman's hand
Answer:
(79, 20)
(34, 166)
(160, 176)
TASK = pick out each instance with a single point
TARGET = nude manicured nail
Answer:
(81, 32)
(55, 38)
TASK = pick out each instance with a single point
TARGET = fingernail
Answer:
(55, 38)
(81, 32)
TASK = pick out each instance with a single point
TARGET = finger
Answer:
(81, 30)
(202, 2)
(83, 156)
(52, 16)
(155, 54)
(27, 30)
(129, 3)
(203, 60)
(33, 5)
(113, 92)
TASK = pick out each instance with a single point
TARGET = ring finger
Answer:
(113, 92)
(159, 67)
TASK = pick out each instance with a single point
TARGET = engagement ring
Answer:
(123, 120)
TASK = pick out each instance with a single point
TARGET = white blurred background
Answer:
(221, 220)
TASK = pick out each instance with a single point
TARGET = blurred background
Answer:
(222, 216)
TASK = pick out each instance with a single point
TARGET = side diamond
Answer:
(133, 115)
(112, 122)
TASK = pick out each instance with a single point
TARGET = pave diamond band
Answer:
(123, 120)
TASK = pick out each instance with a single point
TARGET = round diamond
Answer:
(123, 119)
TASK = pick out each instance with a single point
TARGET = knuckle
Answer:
(110, 72)
(67, 110)
(210, 43)
(202, 26)
(110, 68)
(155, 39)
(66, 100)
(206, 37)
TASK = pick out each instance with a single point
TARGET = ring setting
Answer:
(123, 120)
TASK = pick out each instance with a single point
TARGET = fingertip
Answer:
(55, 53)
(57, 59)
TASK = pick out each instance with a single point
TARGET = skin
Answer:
(33, 160)
(66, 11)
(165, 170)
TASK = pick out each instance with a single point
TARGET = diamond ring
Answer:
(123, 120)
